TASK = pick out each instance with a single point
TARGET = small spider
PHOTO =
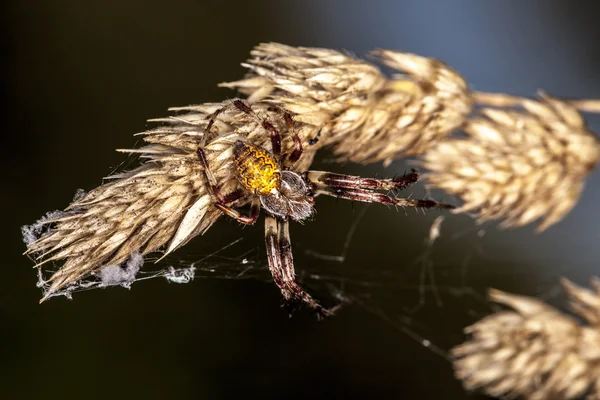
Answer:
(288, 195)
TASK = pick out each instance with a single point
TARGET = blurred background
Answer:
(81, 77)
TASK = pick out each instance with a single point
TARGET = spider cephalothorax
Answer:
(268, 180)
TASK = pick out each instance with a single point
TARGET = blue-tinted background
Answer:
(81, 77)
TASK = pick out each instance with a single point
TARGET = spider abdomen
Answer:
(257, 170)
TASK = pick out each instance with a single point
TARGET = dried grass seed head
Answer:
(518, 165)
(534, 350)
(353, 106)
(164, 202)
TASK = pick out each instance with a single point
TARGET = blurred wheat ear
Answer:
(519, 159)
(534, 350)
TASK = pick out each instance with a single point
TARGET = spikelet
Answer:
(367, 117)
(534, 350)
(164, 202)
(517, 164)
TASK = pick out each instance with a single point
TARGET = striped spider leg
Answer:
(268, 126)
(365, 189)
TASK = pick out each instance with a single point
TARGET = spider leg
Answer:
(213, 116)
(370, 196)
(222, 200)
(329, 179)
(265, 123)
(281, 264)
(364, 189)
(245, 108)
(289, 122)
(243, 219)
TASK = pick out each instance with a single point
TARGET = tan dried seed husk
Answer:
(533, 350)
(518, 165)
(365, 116)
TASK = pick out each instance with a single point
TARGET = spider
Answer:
(287, 195)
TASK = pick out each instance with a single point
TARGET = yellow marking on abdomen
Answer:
(257, 169)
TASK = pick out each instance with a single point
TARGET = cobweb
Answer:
(414, 298)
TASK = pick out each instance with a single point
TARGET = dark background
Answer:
(82, 76)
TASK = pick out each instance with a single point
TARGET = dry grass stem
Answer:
(517, 164)
(534, 350)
